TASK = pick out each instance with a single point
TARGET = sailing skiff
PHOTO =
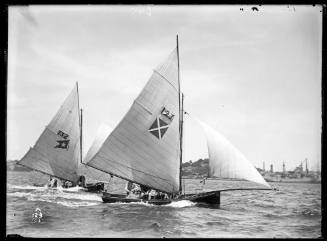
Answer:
(58, 151)
(146, 146)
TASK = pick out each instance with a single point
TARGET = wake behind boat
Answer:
(145, 148)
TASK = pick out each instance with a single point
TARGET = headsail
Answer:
(101, 135)
(57, 150)
(226, 161)
(90, 172)
(144, 147)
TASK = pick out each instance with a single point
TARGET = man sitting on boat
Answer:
(53, 182)
(128, 187)
(135, 191)
(152, 194)
(81, 181)
(67, 184)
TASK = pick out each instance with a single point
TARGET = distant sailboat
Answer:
(146, 146)
(93, 174)
(58, 151)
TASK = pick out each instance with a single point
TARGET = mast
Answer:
(81, 137)
(80, 123)
(181, 144)
(180, 103)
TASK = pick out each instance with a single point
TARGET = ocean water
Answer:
(294, 211)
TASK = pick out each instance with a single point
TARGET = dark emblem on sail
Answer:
(63, 144)
(161, 123)
(168, 114)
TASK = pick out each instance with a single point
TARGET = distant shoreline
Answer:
(218, 178)
(226, 179)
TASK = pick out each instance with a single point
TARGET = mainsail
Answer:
(145, 146)
(57, 151)
(227, 161)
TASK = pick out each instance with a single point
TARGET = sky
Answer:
(254, 76)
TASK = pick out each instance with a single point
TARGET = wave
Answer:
(19, 194)
(27, 187)
(310, 213)
(181, 204)
(60, 197)
(59, 188)
(213, 223)
(66, 203)
(86, 196)
(176, 204)
(71, 189)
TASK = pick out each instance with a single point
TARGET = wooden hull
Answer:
(113, 198)
(95, 187)
(205, 197)
(208, 198)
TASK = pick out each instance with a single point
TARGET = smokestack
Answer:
(271, 168)
(284, 170)
(264, 166)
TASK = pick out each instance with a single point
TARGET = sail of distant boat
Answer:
(226, 161)
(90, 172)
(145, 147)
(57, 151)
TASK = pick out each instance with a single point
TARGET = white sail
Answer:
(89, 172)
(144, 147)
(227, 161)
(101, 135)
(57, 151)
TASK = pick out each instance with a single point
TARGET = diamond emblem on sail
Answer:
(161, 123)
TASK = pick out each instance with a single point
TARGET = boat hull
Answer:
(95, 187)
(211, 198)
(114, 198)
(205, 197)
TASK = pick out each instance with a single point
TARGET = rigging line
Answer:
(140, 104)
(155, 71)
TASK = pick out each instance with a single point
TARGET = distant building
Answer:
(271, 168)
(298, 171)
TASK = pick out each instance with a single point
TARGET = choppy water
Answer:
(292, 212)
